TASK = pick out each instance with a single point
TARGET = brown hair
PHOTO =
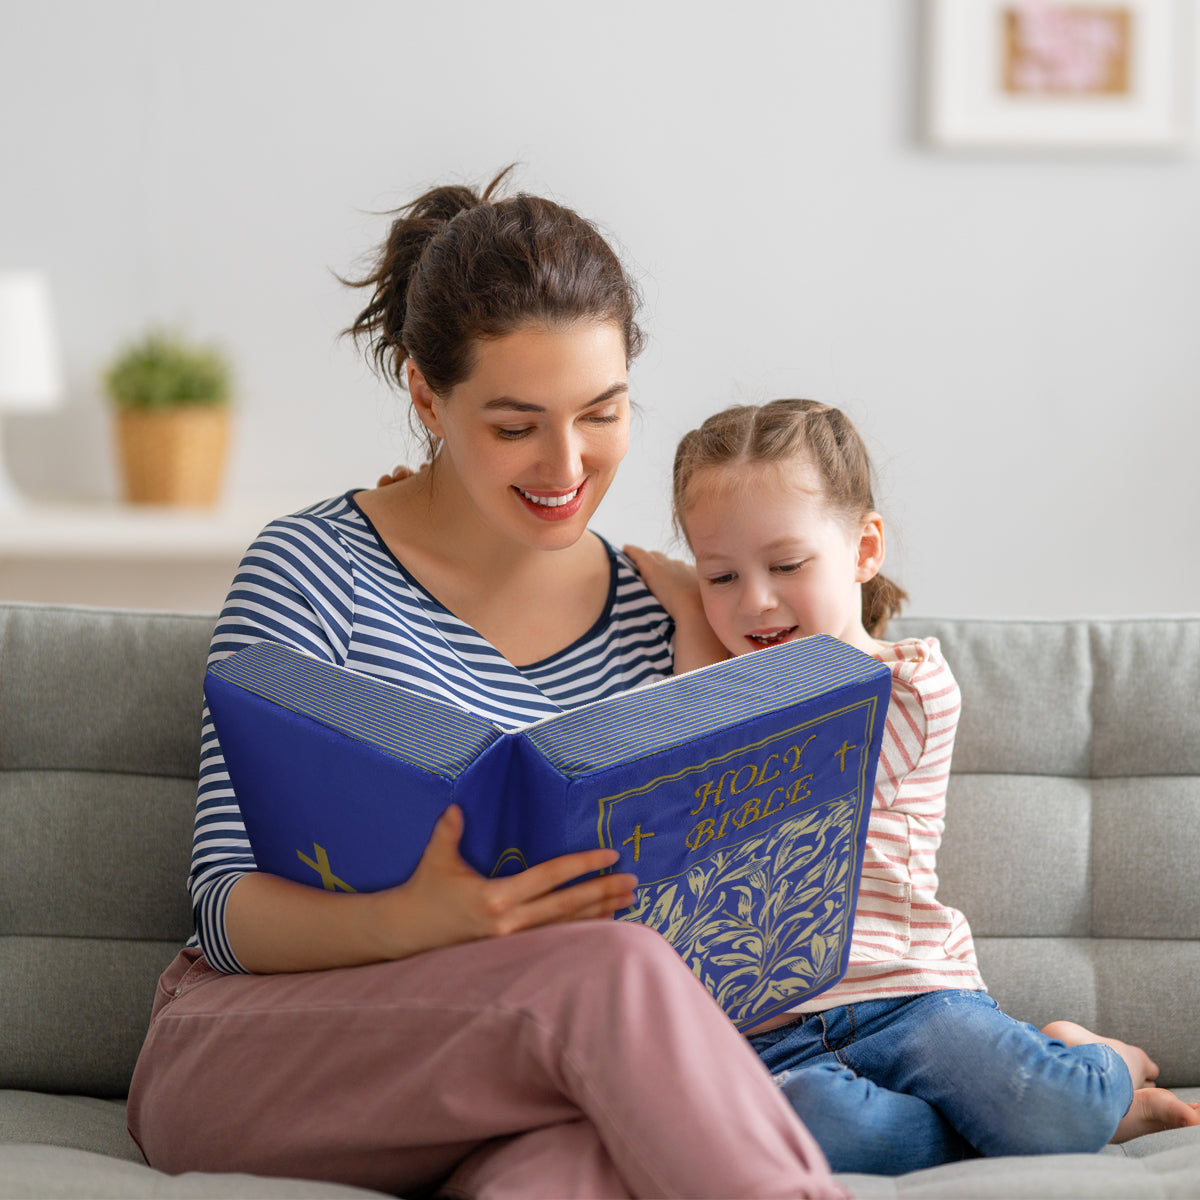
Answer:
(780, 432)
(459, 266)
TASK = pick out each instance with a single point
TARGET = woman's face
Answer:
(532, 438)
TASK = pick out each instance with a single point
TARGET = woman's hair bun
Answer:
(445, 202)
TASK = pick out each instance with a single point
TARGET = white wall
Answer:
(1017, 336)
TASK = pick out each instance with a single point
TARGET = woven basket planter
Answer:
(173, 456)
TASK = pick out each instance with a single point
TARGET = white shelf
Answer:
(127, 531)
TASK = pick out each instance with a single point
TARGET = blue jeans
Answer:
(889, 1086)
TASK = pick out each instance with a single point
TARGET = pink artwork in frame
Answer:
(1058, 74)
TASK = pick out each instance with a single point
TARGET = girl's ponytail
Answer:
(881, 601)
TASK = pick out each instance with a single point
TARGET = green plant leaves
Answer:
(163, 371)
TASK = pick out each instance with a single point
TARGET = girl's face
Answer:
(532, 438)
(774, 564)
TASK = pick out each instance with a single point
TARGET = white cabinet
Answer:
(129, 556)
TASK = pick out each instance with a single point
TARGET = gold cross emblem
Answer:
(329, 880)
(636, 838)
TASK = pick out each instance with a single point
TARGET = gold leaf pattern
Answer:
(762, 924)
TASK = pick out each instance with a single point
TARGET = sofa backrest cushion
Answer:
(1073, 822)
(99, 749)
(1072, 835)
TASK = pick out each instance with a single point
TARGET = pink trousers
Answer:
(581, 1060)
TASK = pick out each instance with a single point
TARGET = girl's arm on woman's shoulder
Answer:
(674, 585)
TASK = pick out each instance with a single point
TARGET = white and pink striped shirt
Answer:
(904, 940)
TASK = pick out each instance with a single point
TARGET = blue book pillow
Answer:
(739, 795)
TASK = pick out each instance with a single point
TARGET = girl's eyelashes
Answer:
(789, 568)
(511, 435)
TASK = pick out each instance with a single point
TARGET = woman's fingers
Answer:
(595, 898)
(537, 896)
(554, 872)
(441, 863)
(447, 834)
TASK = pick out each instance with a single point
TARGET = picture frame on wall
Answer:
(1058, 74)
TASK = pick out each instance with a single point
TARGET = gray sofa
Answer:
(1073, 845)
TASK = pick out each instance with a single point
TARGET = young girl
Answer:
(906, 1062)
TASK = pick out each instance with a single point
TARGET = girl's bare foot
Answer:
(1143, 1071)
(1153, 1109)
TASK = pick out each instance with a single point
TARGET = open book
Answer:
(738, 794)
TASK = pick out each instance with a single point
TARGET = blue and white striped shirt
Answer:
(322, 581)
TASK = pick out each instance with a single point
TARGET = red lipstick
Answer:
(535, 502)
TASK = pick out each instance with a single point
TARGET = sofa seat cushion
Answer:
(81, 1142)
(1166, 1166)
(81, 1122)
(41, 1171)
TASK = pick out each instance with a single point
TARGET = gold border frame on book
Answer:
(1062, 75)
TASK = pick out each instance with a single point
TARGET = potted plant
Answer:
(172, 405)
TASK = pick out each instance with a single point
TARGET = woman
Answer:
(486, 1037)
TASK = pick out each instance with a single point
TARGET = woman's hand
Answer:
(677, 589)
(276, 925)
(446, 901)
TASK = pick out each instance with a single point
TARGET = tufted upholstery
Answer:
(99, 750)
(1072, 841)
(1073, 822)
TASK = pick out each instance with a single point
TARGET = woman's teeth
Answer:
(549, 501)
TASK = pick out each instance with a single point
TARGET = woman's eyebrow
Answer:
(511, 404)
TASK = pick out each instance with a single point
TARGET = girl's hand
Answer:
(676, 588)
(446, 901)
(672, 581)
(399, 473)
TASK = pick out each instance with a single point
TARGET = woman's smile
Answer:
(553, 506)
